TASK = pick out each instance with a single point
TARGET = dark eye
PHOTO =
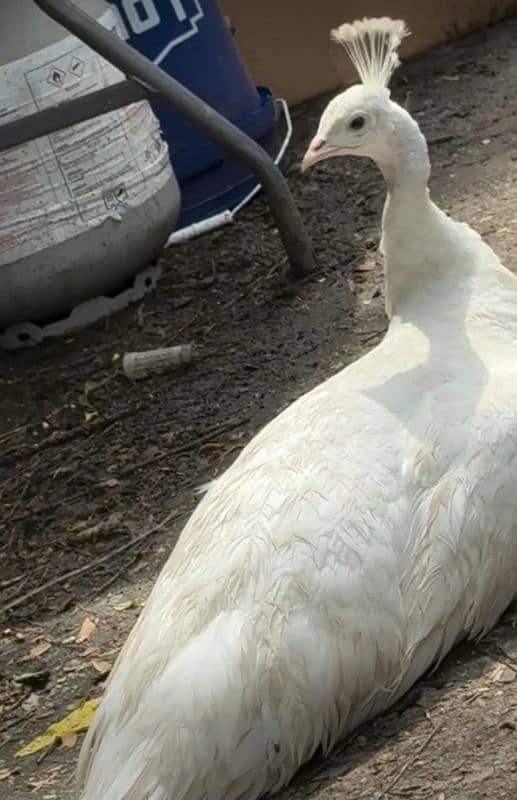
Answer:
(357, 123)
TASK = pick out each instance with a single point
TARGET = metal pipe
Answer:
(215, 126)
(71, 112)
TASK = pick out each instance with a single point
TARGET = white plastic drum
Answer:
(82, 210)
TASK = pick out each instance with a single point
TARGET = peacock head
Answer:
(363, 120)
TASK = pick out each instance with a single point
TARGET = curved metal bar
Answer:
(215, 126)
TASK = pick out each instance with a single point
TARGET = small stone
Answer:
(31, 703)
(503, 674)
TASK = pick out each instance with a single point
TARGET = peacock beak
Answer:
(318, 150)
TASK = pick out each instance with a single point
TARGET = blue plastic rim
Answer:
(191, 41)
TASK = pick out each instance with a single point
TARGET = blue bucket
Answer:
(191, 41)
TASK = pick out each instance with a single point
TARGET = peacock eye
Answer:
(357, 123)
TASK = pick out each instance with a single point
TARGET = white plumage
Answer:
(361, 534)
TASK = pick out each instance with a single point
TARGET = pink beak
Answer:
(315, 152)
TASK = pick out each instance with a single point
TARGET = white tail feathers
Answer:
(372, 46)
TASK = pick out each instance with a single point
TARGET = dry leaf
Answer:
(87, 628)
(367, 265)
(77, 721)
(74, 666)
(110, 483)
(88, 388)
(124, 606)
(102, 667)
(6, 773)
(90, 651)
(69, 739)
(39, 649)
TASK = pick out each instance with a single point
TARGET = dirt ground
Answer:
(80, 446)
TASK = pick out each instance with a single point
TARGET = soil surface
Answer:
(97, 475)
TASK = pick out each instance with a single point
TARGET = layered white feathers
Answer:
(363, 532)
(372, 45)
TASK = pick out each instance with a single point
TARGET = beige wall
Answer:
(286, 45)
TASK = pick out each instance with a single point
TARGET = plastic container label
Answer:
(177, 21)
(61, 185)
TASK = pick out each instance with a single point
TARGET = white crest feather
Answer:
(372, 46)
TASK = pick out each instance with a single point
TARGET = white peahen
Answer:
(362, 533)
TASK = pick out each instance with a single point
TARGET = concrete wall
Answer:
(286, 45)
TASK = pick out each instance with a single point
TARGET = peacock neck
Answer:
(411, 224)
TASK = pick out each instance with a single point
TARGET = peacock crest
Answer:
(372, 45)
